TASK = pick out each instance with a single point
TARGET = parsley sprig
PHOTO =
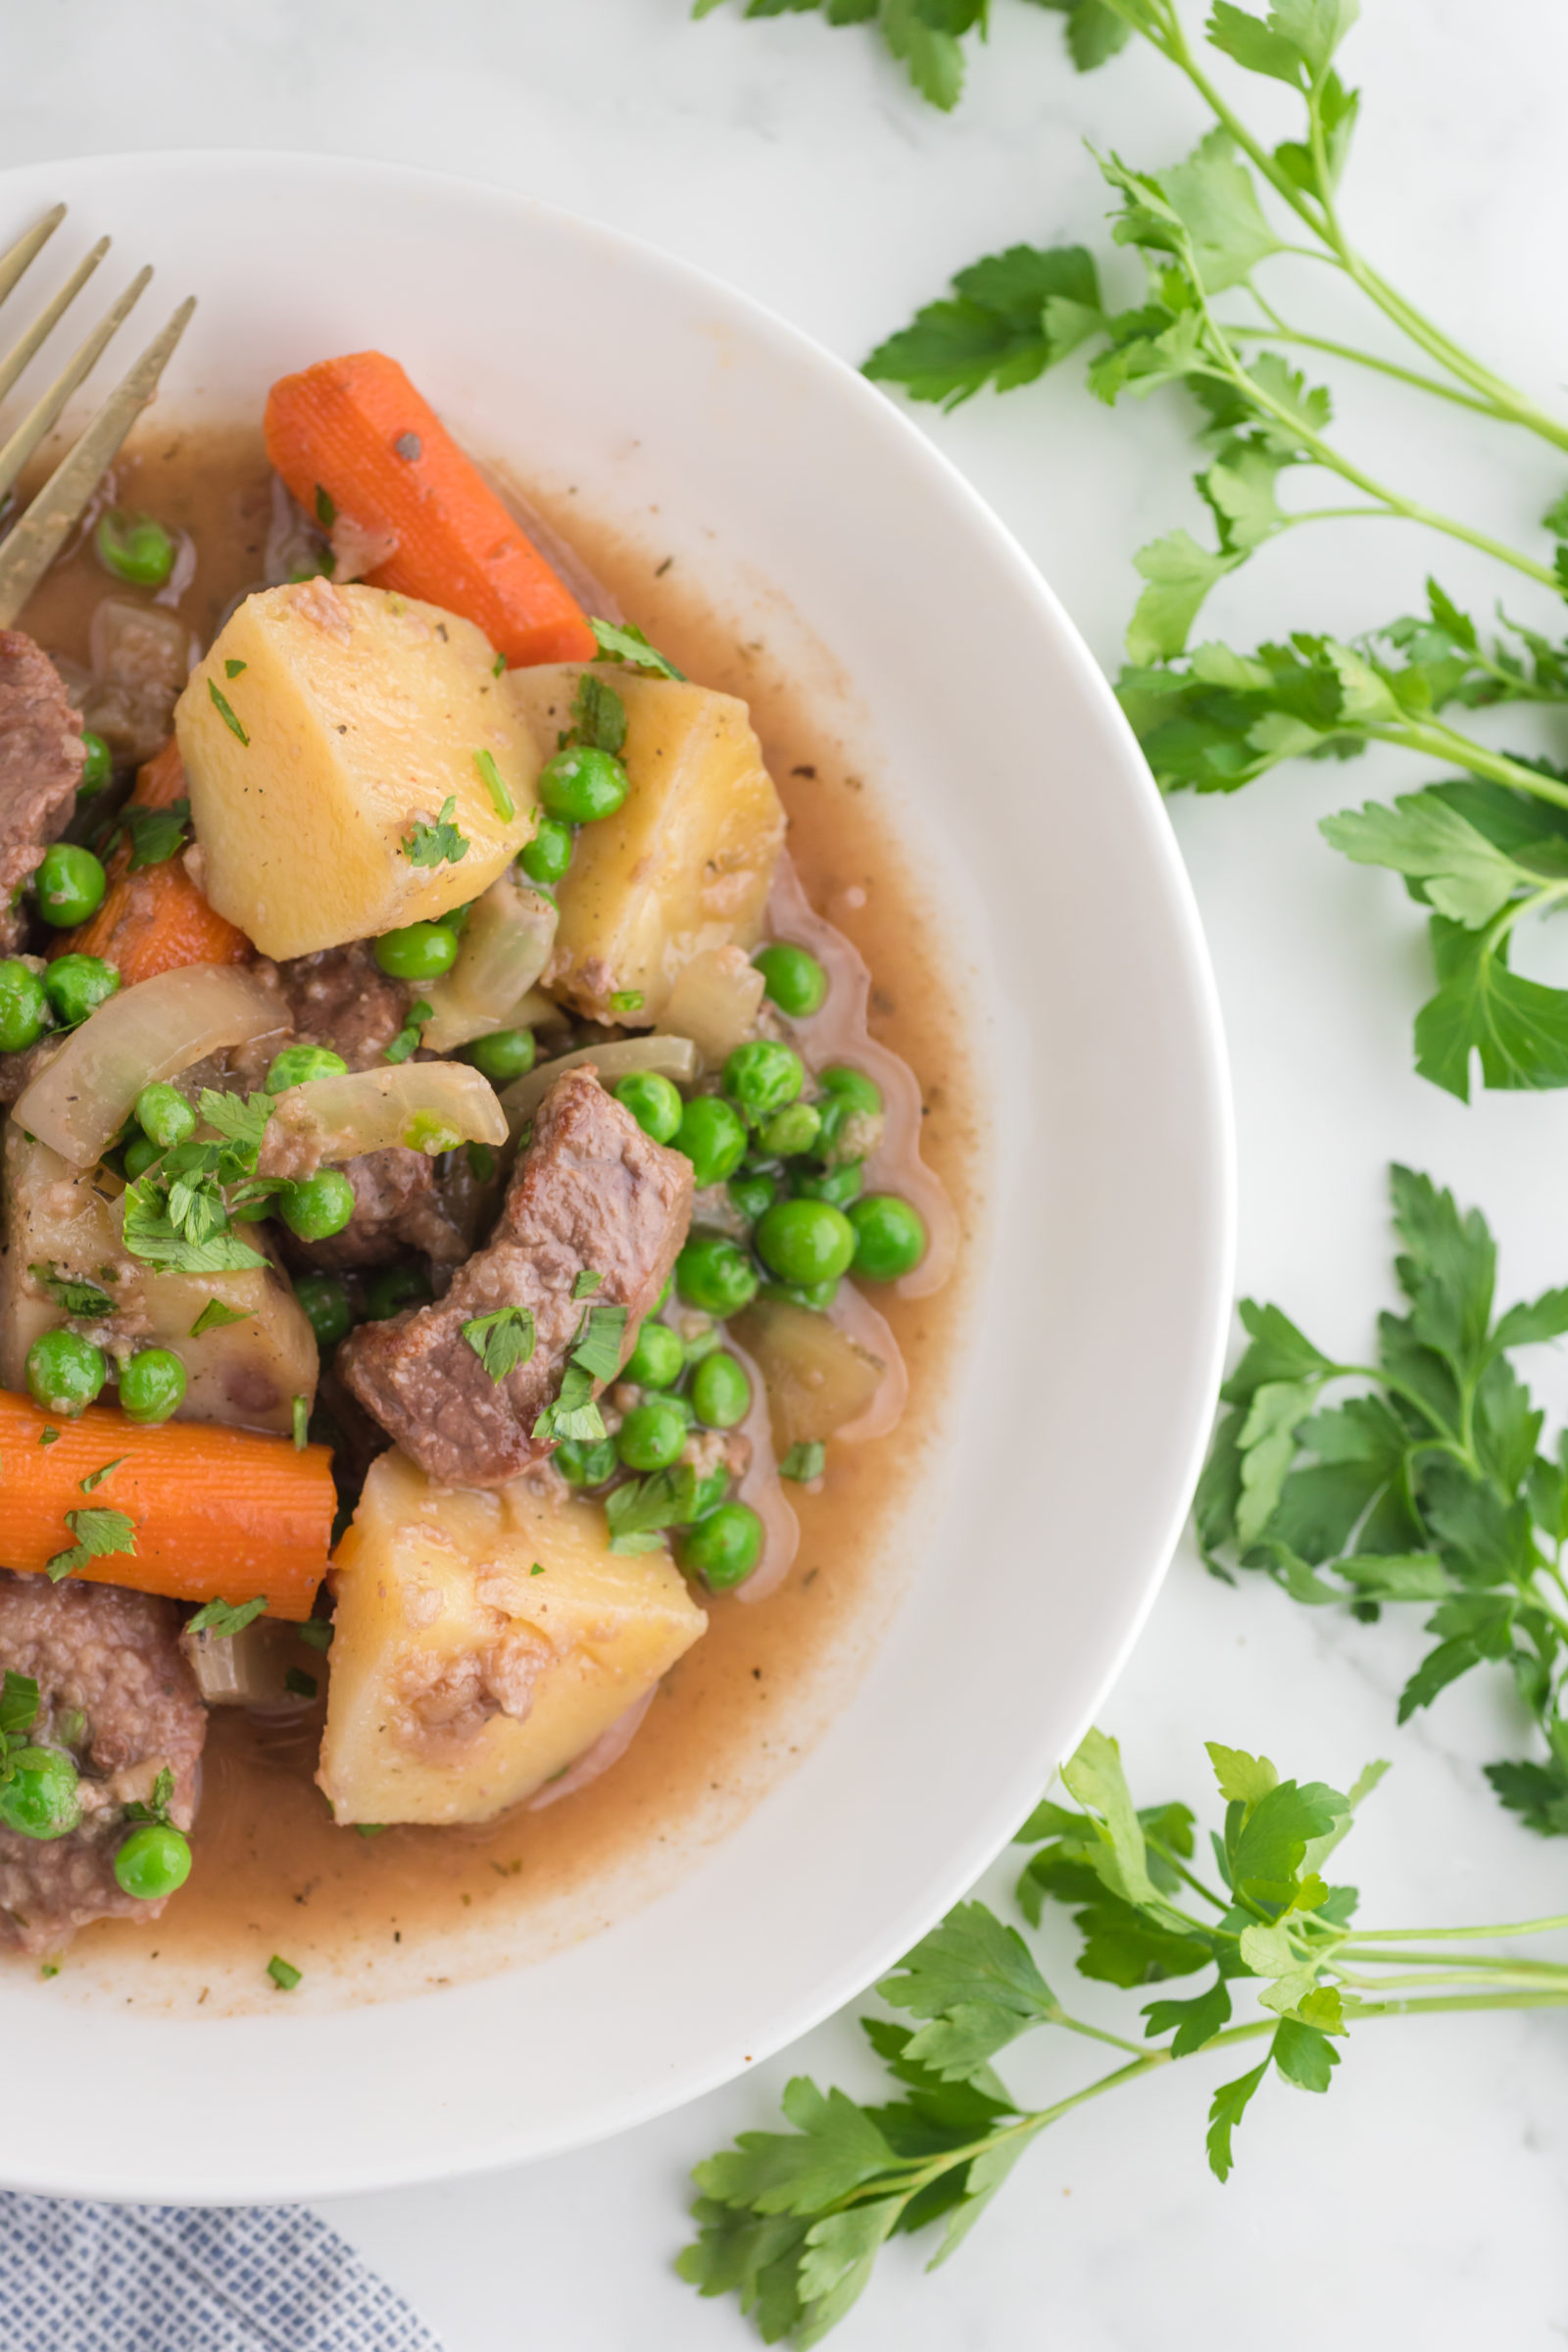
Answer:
(792, 2221)
(440, 843)
(1491, 841)
(180, 1214)
(593, 1357)
(1428, 1487)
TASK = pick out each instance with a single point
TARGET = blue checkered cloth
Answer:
(161, 2279)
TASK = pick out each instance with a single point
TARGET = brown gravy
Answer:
(372, 1917)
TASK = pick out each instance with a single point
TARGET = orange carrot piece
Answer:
(155, 919)
(220, 1514)
(353, 437)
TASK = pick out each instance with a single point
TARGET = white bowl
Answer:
(1083, 1399)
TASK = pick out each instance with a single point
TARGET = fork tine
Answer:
(14, 260)
(49, 317)
(47, 407)
(38, 537)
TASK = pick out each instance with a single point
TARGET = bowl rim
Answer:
(993, 1826)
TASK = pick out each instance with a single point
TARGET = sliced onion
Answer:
(607, 1749)
(507, 943)
(714, 1002)
(429, 1105)
(673, 1057)
(79, 1101)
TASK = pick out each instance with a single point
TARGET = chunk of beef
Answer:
(341, 998)
(397, 1208)
(114, 1657)
(40, 768)
(592, 1192)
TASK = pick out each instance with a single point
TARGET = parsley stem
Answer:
(1175, 1862)
(1367, 359)
(1523, 1926)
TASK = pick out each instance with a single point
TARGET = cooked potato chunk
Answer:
(325, 724)
(687, 862)
(66, 1222)
(818, 1379)
(483, 1641)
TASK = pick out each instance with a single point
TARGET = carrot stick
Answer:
(353, 437)
(219, 1514)
(155, 919)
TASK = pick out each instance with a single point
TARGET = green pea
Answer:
(658, 1359)
(456, 918)
(23, 1005)
(651, 1434)
(710, 1491)
(164, 1115)
(77, 984)
(839, 1186)
(582, 1465)
(545, 857)
(327, 1307)
(721, 1393)
(805, 1240)
(390, 1289)
(41, 1798)
(711, 1273)
(65, 1373)
(791, 1130)
(97, 768)
(68, 885)
(152, 1385)
(319, 1207)
(725, 1546)
(713, 1136)
(817, 1296)
(851, 1110)
(792, 978)
(751, 1195)
(154, 1862)
(135, 548)
(418, 951)
(581, 785)
(763, 1076)
(501, 1057)
(296, 1066)
(856, 1088)
(654, 1102)
(139, 1154)
(890, 1237)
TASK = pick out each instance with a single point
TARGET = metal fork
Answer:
(36, 537)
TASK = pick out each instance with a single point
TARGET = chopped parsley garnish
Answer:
(594, 1356)
(233, 668)
(224, 1619)
(440, 843)
(214, 1316)
(95, 1478)
(301, 1684)
(537, 1569)
(100, 1535)
(804, 1461)
(587, 1282)
(627, 1000)
(494, 782)
(407, 1039)
(302, 1423)
(226, 712)
(76, 1297)
(501, 1341)
(623, 640)
(598, 1344)
(19, 1702)
(178, 1214)
(497, 666)
(637, 1509)
(154, 834)
(48, 1435)
(284, 1975)
(482, 1162)
(370, 1829)
(317, 1633)
(163, 1797)
(599, 713)
(325, 508)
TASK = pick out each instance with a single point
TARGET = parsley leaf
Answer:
(407, 1040)
(495, 785)
(623, 640)
(76, 1297)
(95, 1478)
(501, 1341)
(19, 1702)
(1010, 317)
(223, 1619)
(599, 714)
(214, 1316)
(587, 1282)
(154, 834)
(599, 1343)
(440, 843)
(639, 1508)
(226, 712)
(627, 1000)
(99, 1535)
(805, 1461)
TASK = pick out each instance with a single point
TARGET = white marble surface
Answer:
(1423, 2199)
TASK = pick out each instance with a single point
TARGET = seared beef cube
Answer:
(40, 768)
(341, 998)
(113, 1658)
(592, 1194)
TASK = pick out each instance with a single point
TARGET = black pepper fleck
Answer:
(408, 445)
